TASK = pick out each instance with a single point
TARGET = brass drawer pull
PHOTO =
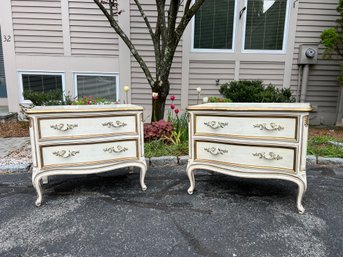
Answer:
(117, 124)
(216, 124)
(272, 126)
(64, 127)
(272, 156)
(215, 150)
(116, 149)
(65, 153)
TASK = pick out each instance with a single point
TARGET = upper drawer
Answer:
(70, 127)
(274, 128)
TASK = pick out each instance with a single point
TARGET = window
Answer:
(97, 85)
(39, 81)
(265, 24)
(214, 25)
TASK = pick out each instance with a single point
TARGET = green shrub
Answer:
(51, 97)
(214, 99)
(254, 91)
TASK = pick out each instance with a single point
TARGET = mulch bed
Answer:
(14, 129)
(336, 132)
(21, 129)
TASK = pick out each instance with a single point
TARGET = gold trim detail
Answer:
(306, 120)
(272, 156)
(272, 126)
(64, 127)
(116, 149)
(65, 153)
(215, 150)
(116, 124)
(216, 124)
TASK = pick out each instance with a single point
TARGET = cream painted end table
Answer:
(84, 140)
(251, 140)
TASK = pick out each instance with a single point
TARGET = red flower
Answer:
(172, 106)
(176, 110)
(172, 98)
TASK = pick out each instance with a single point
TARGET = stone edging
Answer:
(172, 161)
(181, 160)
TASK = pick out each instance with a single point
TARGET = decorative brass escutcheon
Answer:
(272, 126)
(116, 124)
(272, 156)
(65, 153)
(216, 124)
(64, 127)
(116, 149)
(215, 150)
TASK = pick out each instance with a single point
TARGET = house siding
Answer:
(90, 31)
(37, 27)
(204, 73)
(322, 92)
(269, 72)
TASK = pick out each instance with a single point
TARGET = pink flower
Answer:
(172, 106)
(176, 110)
(172, 98)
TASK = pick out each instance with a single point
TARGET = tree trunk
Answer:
(158, 107)
(158, 104)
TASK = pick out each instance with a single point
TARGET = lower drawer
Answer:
(88, 153)
(250, 156)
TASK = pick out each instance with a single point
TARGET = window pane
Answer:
(265, 24)
(214, 25)
(40, 82)
(97, 86)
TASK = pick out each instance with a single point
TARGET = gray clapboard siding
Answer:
(313, 17)
(140, 89)
(268, 72)
(203, 74)
(90, 32)
(37, 27)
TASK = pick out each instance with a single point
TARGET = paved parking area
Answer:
(108, 215)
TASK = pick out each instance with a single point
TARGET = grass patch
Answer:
(158, 148)
(320, 146)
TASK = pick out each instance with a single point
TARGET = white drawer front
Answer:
(255, 127)
(245, 155)
(88, 153)
(86, 126)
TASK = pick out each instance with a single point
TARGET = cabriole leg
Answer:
(191, 178)
(142, 177)
(38, 187)
(301, 191)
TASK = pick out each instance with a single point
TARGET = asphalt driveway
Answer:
(108, 215)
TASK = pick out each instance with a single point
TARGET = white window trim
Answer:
(285, 33)
(36, 72)
(108, 74)
(209, 50)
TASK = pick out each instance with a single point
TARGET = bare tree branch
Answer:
(127, 41)
(186, 18)
(145, 20)
(188, 3)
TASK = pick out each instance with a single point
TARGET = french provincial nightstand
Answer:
(85, 139)
(251, 140)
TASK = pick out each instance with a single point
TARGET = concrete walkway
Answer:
(108, 215)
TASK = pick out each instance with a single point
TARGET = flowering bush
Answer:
(88, 100)
(157, 130)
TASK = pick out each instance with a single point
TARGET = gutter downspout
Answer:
(304, 83)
